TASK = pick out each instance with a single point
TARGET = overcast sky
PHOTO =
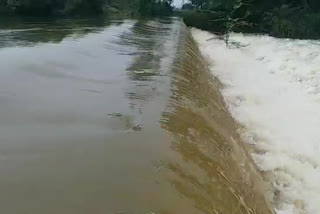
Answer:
(177, 3)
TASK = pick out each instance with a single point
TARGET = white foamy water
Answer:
(272, 87)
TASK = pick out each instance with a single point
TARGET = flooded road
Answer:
(116, 116)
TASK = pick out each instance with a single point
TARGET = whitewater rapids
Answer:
(272, 88)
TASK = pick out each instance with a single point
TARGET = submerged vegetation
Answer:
(84, 7)
(280, 18)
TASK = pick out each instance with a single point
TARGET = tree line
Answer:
(280, 18)
(84, 7)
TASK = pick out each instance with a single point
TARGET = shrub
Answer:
(203, 20)
(295, 23)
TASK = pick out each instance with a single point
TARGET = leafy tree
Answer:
(282, 18)
(199, 3)
(187, 6)
(78, 7)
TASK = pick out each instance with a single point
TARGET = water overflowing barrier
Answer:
(117, 116)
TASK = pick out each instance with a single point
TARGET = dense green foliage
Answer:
(281, 18)
(84, 7)
(50, 7)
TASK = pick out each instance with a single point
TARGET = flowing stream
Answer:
(272, 88)
(117, 117)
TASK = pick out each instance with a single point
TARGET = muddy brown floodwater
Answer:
(103, 116)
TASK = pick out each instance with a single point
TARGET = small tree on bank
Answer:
(231, 20)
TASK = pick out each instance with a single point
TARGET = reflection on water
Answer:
(31, 31)
(115, 116)
(148, 38)
(153, 46)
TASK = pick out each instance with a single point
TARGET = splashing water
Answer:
(272, 88)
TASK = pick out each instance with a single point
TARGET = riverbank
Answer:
(272, 88)
(282, 19)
